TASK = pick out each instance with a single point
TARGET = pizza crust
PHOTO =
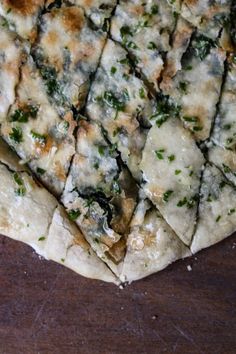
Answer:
(151, 246)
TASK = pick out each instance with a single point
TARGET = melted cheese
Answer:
(10, 59)
(145, 29)
(217, 210)
(171, 168)
(22, 16)
(46, 141)
(207, 15)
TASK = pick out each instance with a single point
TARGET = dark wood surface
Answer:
(47, 309)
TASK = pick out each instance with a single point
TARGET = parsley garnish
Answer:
(16, 135)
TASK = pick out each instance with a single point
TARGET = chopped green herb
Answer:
(151, 46)
(18, 179)
(113, 70)
(16, 135)
(142, 93)
(20, 191)
(116, 187)
(183, 86)
(96, 165)
(177, 172)
(154, 9)
(222, 184)
(74, 214)
(231, 211)
(190, 119)
(125, 31)
(202, 46)
(167, 195)
(227, 127)
(182, 202)
(159, 154)
(132, 45)
(102, 150)
(110, 99)
(42, 238)
(164, 110)
(171, 158)
(226, 168)
(218, 218)
(41, 138)
(40, 171)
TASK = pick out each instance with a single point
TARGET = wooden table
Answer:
(47, 309)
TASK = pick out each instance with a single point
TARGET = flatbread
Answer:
(119, 125)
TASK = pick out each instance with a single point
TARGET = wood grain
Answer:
(47, 309)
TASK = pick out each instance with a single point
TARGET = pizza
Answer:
(117, 131)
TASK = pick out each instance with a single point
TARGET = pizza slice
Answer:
(223, 149)
(217, 210)
(151, 246)
(11, 55)
(144, 29)
(67, 53)
(21, 16)
(100, 194)
(40, 137)
(121, 103)
(171, 167)
(196, 88)
(42, 223)
(98, 11)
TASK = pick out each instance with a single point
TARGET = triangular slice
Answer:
(120, 101)
(223, 151)
(217, 210)
(40, 137)
(196, 88)
(41, 222)
(21, 16)
(100, 194)
(11, 57)
(171, 167)
(67, 53)
(152, 245)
